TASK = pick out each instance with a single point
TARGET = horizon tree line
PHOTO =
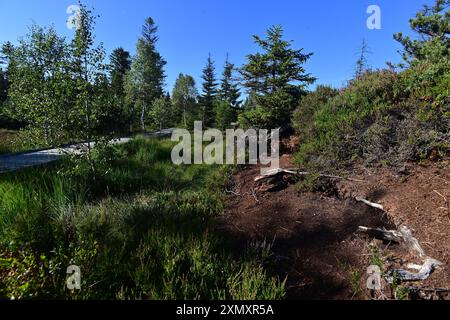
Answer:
(65, 90)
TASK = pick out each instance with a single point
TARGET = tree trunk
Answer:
(143, 118)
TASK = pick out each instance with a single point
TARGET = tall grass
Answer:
(143, 230)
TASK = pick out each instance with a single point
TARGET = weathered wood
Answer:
(279, 171)
(403, 275)
(402, 236)
(371, 204)
(269, 173)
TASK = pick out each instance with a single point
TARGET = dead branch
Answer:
(273, 172)
(402, 236)
(254, 195)
(371, 204)
(269, 173)
(415, 288)
(403, 275)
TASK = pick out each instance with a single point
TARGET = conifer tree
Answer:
(432, 24)
(229, 90)
(146, 77)
(275, 80)
(209, 92)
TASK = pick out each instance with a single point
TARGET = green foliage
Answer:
(91, 94)
(309, 183)
(8, 141)
(432, 24)
(277, 67)
(160, 112)
(275, 78)
(38, 81)
(3, 88)
(209, 93)
(272, 110)
(120, 64)
(255, 117)
(229, 90)
(376, 259)
(146, 78)
(379, 117)
(308, 105)
(225, 114)
(401, 293)
(355, 279)
(384, 116)
(142, 230)
(184, 99)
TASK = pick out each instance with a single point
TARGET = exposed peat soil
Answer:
(314, 236)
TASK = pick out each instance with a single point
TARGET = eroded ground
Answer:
(314, 235)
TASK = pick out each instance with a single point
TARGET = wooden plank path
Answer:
(14, 162)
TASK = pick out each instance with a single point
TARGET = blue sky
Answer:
(189, 30)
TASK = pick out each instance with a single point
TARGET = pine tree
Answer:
(209, 92)
(146, 78)
(229, 90)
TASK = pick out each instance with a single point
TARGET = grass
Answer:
(143, 230)
(354, 280)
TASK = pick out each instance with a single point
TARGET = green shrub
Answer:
(378, 117)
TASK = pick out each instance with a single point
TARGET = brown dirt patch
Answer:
(315, 243)
(418, 198)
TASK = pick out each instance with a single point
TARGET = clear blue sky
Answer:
(189, 30)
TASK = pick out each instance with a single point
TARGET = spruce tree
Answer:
(278, 67)
(229, 90)
(120, 64)
(146, 78)
(209, 92)
(275, 80)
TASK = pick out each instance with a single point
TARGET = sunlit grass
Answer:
(144, 229)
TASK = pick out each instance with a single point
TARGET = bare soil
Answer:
(316, 246)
